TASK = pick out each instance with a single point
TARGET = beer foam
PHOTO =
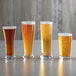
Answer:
(64, 34)
(9, 27)
(28, 22)
(46, 22)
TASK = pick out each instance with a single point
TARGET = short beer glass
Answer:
(64, 41)
(9, 34)
(46, 39)
(28, 28)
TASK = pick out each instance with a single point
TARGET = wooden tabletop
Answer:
(36, 66)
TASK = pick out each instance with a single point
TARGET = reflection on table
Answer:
(10, 68)
(64, 67)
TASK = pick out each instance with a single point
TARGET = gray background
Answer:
(61, 12)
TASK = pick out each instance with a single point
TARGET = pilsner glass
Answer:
(64, 41)
(46, 38)
(9, 33)
(28, 28)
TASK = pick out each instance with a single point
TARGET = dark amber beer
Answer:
(28, 35)
(64, 40)
(46, 38)
(9, 32)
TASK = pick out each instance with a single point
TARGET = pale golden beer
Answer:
(64, 40)
(28, 35)
(46, 37)
(9, 32)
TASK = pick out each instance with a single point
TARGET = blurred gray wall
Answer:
(61, 12)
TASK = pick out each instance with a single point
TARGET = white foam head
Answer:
(28, 22)
(46, 22)
(64, 34)
(9, 27)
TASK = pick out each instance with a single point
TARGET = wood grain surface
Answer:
(61, 12)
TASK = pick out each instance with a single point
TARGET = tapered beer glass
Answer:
(46, 38)
(9, 34)
(64, 41)
(28, 35)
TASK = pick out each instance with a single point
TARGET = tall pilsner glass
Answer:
(28, 35)
(9, 34)
(46, 38)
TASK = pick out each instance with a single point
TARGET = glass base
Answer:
(45, 57)
(64, 57)
(28, 57)
(10, 57)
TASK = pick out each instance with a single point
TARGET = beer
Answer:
(28, 35)
(64, 40)
(46, 36)
(9, 32)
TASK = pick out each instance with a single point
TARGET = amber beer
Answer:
(9, 32)
(46, 37)
(64, 40)
(28, 35)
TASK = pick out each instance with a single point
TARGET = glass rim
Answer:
(46, 22)
(27, 22)
(64, 34)
(9, 27)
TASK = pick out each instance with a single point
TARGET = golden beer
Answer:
(9, 32)
(64, 40)
(28, 35)
(46, 37)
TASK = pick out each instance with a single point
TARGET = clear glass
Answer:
(9, 34)
(28, 28)
(46, 39)
(64, 41)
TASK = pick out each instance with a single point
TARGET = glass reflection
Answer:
(64, 67)
(6, 68)
(45, 68)
(9, 68)
(27, 67)
(42, 69)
